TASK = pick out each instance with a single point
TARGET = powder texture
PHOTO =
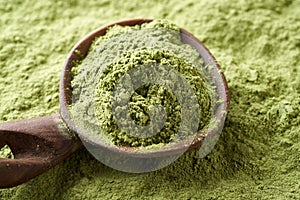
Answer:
(148, 47)
(5, 152)
(257, 44)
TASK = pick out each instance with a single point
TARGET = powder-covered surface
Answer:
(257, 44)
(130, 50)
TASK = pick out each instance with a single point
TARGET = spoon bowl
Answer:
(112, 155)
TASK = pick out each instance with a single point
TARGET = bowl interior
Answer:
(192, 142)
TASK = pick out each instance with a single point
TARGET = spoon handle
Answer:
(37, 144)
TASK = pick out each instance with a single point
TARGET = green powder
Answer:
(5, 152)
(257, 44)
(123, 49)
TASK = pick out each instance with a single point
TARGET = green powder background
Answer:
(257, 44)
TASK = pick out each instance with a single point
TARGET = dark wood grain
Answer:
(37, 144)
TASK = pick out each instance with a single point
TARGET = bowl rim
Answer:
(65, 96)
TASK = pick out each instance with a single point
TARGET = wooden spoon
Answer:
(39, 144)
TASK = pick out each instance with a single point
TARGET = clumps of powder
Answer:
(5, 152)
(121, 49)
(149, 95)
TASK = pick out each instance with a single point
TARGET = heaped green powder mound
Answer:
(122, 49)
(149, 95)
